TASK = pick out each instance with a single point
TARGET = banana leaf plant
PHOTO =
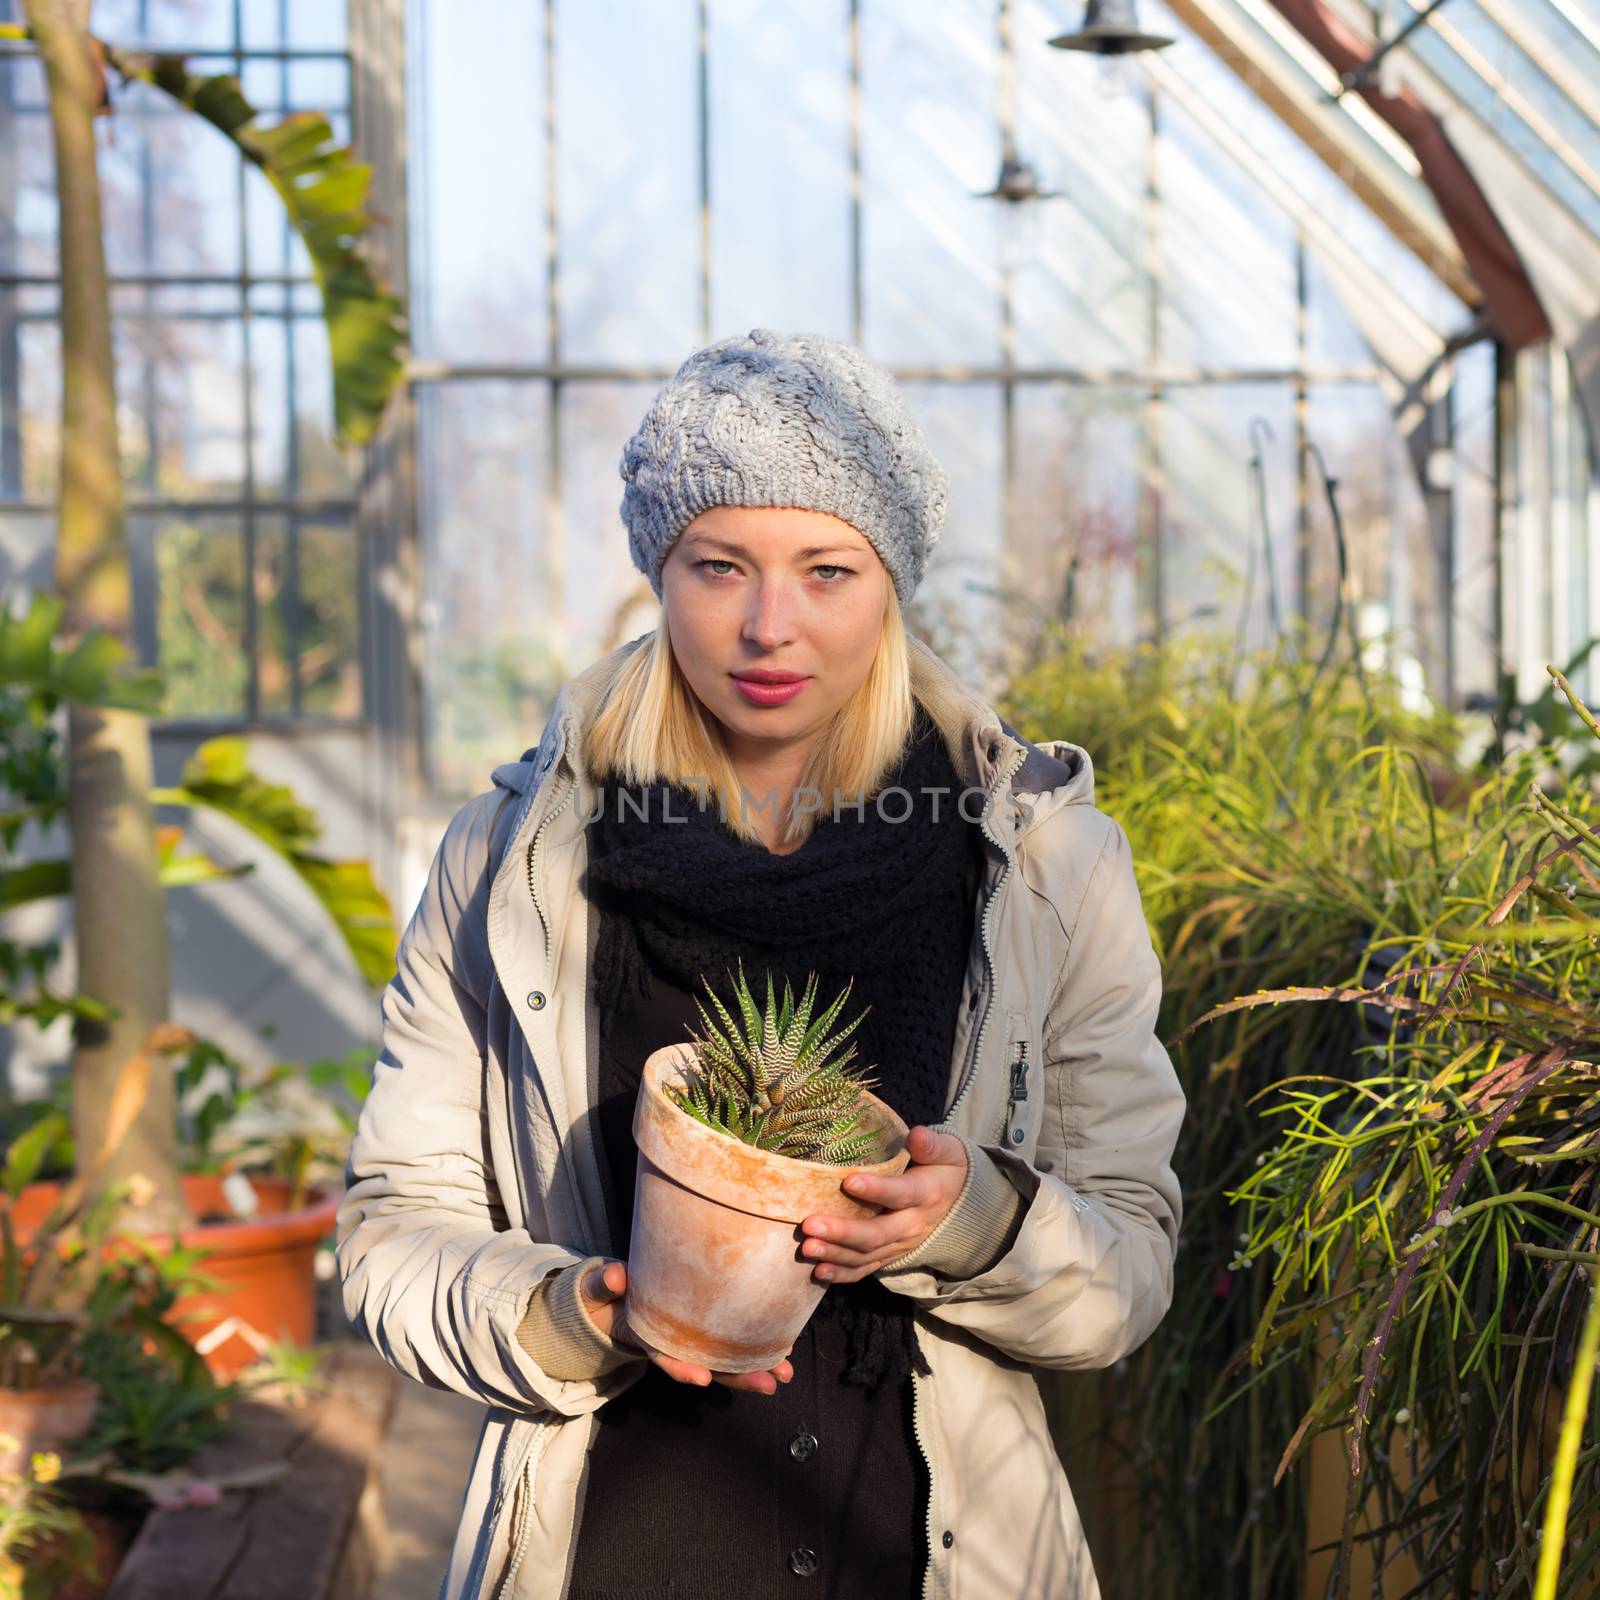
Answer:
(118, 850)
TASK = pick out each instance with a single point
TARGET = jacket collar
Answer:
(987, 751)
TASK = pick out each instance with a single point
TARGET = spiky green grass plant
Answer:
(778, 1078)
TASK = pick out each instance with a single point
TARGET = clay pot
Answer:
(715, 1274)
(45, 1419)
(265, 1265)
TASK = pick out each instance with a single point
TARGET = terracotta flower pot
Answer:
(715, 1274)
(45, 1419)
(265, 1265)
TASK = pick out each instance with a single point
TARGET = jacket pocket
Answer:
(1024, 1103)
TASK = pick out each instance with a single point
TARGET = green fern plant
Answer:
(777, 1079)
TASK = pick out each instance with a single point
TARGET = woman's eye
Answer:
(825, 567)
(715, 561)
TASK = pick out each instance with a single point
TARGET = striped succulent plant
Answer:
(777, 1078)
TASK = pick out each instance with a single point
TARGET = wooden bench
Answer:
(315, 1533)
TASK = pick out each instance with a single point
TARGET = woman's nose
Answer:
(770, 621)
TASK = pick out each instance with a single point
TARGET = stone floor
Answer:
(426, 1455)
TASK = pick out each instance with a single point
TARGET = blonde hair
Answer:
(652, 726)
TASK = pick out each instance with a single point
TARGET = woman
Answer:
(783, 504)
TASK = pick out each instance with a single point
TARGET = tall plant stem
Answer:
(120, 930)
(1573, 1414)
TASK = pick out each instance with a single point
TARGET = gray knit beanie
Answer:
(774, 419)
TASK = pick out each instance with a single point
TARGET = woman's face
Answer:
(773, 590)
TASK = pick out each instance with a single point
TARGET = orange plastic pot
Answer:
(715, 1274)
(45, 1419)
(265, 1265)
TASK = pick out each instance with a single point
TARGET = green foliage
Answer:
(1285, 821)
(287, 1372)
(1379, 991)
(96, 670)
(37, 677)
(777, 1078)
(291, 1119)
(78, 1299)
(159, 1403)
(1435, 1209)
(45, 1543)
(218, 777)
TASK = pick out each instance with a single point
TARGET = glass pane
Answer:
(275, 86)
(1393, 569)
(323, 469)
(189, 583)
(780, 166)
(627, 152)
(1214, 569)
(205, 23)
(27, 170)
(477, 181)
(1076, 548)
(1227, 258)
(298, 24)
(959, 608)
(1482, 87)
(1332, 339)
(1322, 192)
(295, 454)
(329, 621)
(275, 617)
(930, 144)
(27, 553)
(275, 249)
(30, 406)
(180, 392)
(607, 599)
(170, 187)
(488, 667)
(1080, 280)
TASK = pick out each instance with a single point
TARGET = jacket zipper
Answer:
(523, 1478)
(916, 1430)
(533, 876)
(1018, 756)
(1019, 1086)
(968, 1074)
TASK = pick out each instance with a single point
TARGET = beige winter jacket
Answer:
(473, 1174)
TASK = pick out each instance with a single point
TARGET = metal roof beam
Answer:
(1505, 288)
(1272, 61)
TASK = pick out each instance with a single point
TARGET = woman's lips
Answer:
(769, 694)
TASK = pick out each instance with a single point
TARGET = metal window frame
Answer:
(292, 510)
(1362, 151)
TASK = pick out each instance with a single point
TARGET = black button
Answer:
(948, 1539)
(536, 1000)
(803, 1446)
(803, 1560)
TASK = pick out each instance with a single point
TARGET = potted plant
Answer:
(742, 1132)
(261, 1154)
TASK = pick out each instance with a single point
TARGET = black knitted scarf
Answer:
(883, 901)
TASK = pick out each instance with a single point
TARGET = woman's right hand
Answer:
(601, 1291)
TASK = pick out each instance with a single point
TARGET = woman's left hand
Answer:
(846, 1248)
